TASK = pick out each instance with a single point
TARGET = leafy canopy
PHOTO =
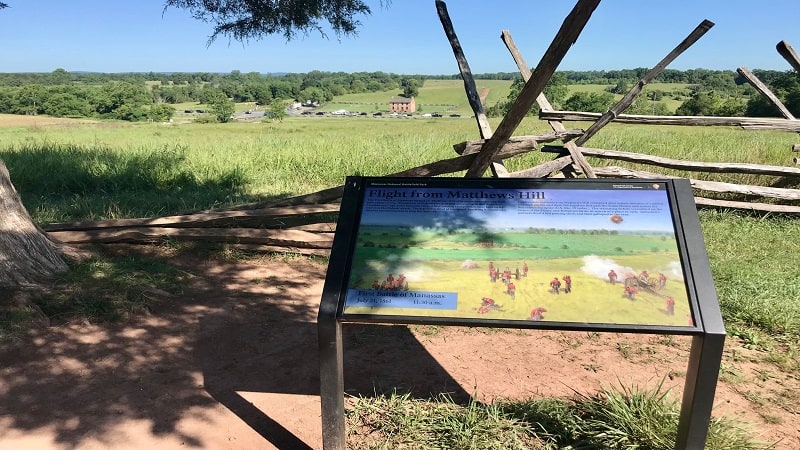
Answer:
(219, 105)
(243, 20)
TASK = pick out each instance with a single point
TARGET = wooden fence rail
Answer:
(743, 122)
(692, 166)
(715, 186)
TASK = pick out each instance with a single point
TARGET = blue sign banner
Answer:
(380, 298)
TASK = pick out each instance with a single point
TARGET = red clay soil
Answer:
(231, 363)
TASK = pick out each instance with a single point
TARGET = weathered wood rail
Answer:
(695, 166)
(764, 90)
(743, 122)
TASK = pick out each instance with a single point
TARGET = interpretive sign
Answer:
(588, 254)
(574, 253)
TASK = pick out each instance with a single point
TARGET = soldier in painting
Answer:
(538, 313)
(555, 286)
(507, 276)
(487, 305)
(401, 283)
(662, 281)
(511, 290)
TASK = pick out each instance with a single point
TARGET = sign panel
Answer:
(577, 253)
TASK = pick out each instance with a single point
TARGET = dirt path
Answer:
(483, 94)
(232, 363)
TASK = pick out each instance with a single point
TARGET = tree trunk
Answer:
(27, 256)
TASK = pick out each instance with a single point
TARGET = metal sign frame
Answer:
(342, 298)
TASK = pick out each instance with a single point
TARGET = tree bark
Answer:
(27, 256)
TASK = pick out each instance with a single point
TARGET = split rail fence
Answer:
(306, 224)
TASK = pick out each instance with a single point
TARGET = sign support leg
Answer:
(698, 394)
(331, 382)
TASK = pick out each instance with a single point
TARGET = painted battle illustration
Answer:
(581, 256)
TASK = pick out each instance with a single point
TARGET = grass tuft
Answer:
(615, 418)
(399, 421)
(629, 417)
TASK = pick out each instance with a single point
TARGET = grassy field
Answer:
(76, 170)
(442, 96)
(119, 169)
(447, 96)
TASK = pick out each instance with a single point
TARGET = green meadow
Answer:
(442, 96)
(84, 171)
(447, 96)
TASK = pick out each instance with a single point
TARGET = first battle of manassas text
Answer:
(397, 193)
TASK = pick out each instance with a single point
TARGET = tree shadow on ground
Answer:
(236, 327)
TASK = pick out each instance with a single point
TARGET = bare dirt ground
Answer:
(231, 363)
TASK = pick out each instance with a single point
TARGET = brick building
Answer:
(403, 105)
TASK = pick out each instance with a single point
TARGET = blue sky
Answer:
(406, 37)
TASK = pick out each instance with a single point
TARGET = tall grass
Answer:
(208, 165)
(754, 264)
(614, 418)
(69, 182)
(102, 171)
(400, 421)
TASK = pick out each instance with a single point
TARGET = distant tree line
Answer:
(709, 92)
(142, 96)
(557, 93)
(150, 96)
